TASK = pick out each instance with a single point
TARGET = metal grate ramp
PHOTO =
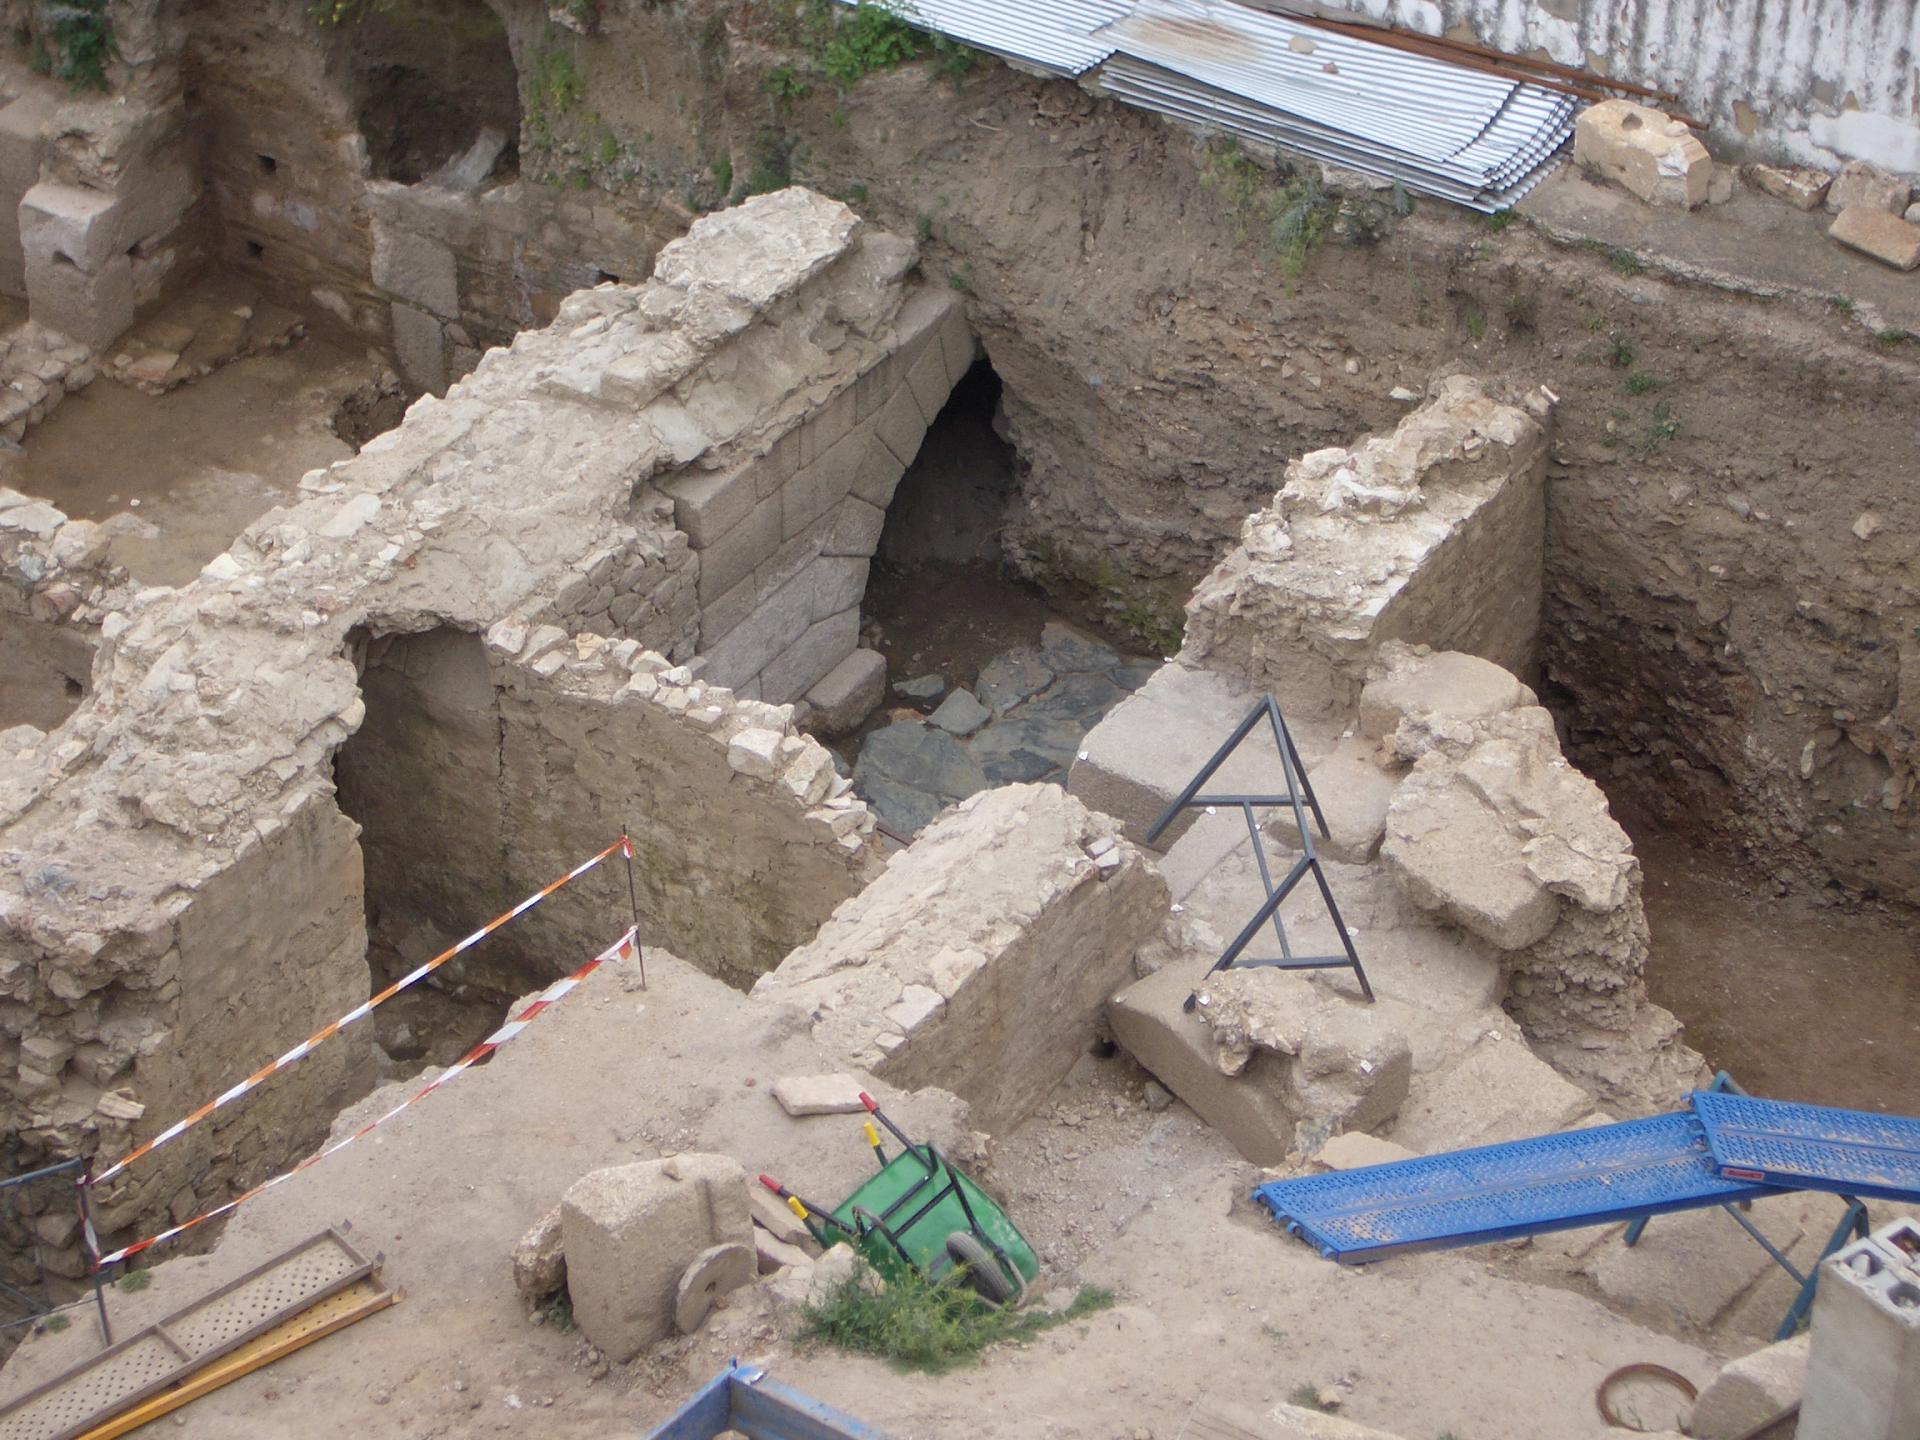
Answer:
(1811, 1147)
(1498, 1192)
(165, 1353)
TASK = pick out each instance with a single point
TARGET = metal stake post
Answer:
(633, 899)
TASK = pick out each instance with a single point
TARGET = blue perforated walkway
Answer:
(1812, 1147)
(1726, 1147)
(1497, 1192)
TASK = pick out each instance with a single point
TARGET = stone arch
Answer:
(786, 539)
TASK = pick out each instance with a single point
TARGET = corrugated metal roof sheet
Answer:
(1474, 138)
(1477, 139)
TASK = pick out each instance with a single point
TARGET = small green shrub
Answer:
(57, 1323)
(1307, 1397)
(557, 1313)
(134, 1281)
(557, 86)
(1476, 325)
(1662, 425)
(857, 193)
(1641, 383)
(954, 61)
(873, 36)
(1497, 222)
(787, 84)
(1620, 354)
(1842, 303)
(923, 226)
(1625, 262)
(918, 1324)
(1303, 212)
(723, 174)
(78, 45)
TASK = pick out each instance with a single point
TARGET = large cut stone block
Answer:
(93, 309)
(420, 345)
(1750, 1390)
(1887, 238)
(70, 222)
(1860, 183)
(734, 556)
(1251, 1108)
(415, 268)
(820, 486)
(755, 642)
(631, 1232)
(849, 692)
(856, 527)
(1446, 686)
(1135, 762)
(820, 647)
(707, 504)
(879, 476)
(1500, 1090)
(1651, 154)
(901, 427)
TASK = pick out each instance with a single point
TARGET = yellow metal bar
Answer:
(336, 1312)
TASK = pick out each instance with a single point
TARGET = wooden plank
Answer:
(336, 1312)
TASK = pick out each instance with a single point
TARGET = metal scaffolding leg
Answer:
(1300, 799)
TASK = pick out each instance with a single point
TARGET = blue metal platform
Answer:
(1811, 1147)
(1498, 1192)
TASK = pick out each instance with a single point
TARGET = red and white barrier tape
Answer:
(545, 1000)
(359, 1012)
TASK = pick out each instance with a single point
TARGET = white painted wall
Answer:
(1819, 81)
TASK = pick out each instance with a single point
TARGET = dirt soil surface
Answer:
(1796, 1000)
(180, 475)
(1214, 1301)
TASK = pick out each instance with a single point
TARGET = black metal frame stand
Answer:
(1299, 798)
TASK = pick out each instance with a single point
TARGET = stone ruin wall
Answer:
(1725, 645)
(180, 892)
(1383, 590)
(1433, 534)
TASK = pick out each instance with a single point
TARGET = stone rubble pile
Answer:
(38, 369)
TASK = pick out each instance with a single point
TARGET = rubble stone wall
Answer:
(479, 775)
(56, 587)
(204, 754)
(1434, 534)
(982, 959)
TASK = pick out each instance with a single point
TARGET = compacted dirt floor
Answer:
(1213, 1301)
(178, 476)
(1795, 1000)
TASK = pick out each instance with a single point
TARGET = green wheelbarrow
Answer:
(919, 1213)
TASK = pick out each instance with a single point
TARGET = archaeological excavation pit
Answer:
(444, 437)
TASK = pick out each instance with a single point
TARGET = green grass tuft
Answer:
(135, 1280)
(930, 1327)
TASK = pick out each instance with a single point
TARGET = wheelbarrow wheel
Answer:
(989, 1281)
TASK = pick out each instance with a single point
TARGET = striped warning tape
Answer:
(359, 1012)
(545, 1000)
